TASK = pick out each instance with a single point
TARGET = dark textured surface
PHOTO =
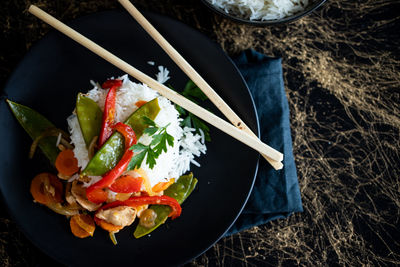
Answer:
(341, 71)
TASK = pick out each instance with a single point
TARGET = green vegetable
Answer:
(111, 152)
(89, 117)
(180, 191)
(158, 144)
(192, 121)
(193, 93)
(112, 237)
(35, 125)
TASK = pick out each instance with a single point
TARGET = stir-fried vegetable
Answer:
(89, 117)
(46, 188)
(148, 218)
(146, 181)
(179, 191)
(127, 184)
(60, 134)
(107, 226)
(35, 125)
(93, 192)
(112, 237)
(82, 225)
(140, 103)
(161, 186)
(134, 202)
(66, 163)
(111, 152)
(63, 210)
(109, 110)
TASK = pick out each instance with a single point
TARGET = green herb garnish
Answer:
(193, 93)
(160, 140)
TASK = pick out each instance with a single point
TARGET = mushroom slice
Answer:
(68, 195)
(120, 216)
(79, 192)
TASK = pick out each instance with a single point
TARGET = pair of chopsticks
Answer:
(241, 132)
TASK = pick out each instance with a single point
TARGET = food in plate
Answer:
(124, 161)
(261, 10)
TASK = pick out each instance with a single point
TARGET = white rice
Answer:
(171, 164)
(80, 151)
(162, 75)
(261, 9)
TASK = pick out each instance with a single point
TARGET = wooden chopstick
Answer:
(200, 112)
(193, 75)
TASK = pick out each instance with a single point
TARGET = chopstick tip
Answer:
(279, 166)
(32, 9)
(31, 6)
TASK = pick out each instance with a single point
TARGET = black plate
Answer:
(48, 80)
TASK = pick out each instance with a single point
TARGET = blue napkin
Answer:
(276, 194)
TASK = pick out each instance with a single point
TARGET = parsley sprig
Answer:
(160, 140)
(193, 93)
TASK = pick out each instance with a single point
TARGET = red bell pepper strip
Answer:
(109, 110)
(109, 178)
(93, 192)
(96, 195)
(111, 83)
(127, 132)
(127, 184)
(148, 200)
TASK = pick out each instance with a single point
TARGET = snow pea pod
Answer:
(111, 152)
(35, 125)
(89, 117)
(180, 191)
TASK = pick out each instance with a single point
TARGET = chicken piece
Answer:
(120, 216)
(79, 192)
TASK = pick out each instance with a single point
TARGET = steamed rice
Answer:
(261, 9)
(171, 164)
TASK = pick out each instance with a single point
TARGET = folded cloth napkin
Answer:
(275, 194)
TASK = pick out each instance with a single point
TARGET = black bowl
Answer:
(310, 8)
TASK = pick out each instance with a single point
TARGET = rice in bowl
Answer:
(261, 10)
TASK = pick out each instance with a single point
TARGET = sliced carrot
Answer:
(146, 181)
(140, 103)
(66, 163)
(161, 186)
(76, 229)
(86, 222)
(46, 188)
(107, 226)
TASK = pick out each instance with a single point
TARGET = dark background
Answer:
(341, 70)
